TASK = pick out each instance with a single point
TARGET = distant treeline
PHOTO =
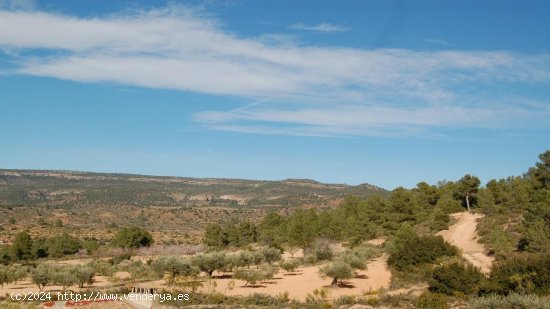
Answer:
(517, 208)
(65, 189)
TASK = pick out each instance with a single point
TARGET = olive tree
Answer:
(337, 270)
(64, 276)
(210, 262)
(83, 274)
(250, 276)
(271, 255)
(4, 275)
(42, 275)
(175, 266)
(290, 265)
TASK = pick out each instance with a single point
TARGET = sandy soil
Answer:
(307, 279)
(463, 234)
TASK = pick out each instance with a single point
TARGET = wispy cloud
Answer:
(323, 27)
(312, 90)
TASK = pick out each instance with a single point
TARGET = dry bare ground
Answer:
(463, 234)
(307, 279)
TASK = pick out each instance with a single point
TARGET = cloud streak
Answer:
(322, 91)
(323, 27)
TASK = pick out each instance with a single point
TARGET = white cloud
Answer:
(311, 90)
(323, 27)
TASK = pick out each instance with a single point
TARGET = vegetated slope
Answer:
(463, 234)
(67, 188)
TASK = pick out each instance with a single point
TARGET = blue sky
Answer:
(386, 92)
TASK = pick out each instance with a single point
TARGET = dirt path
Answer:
(463, 234)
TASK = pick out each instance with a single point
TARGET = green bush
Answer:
(175, 266)
(512, 301)
(456, 279)
(271, 255)
(429, 300)
(132, 237)
(353, 258)
(336, 270)
(250, 276)
(264, 300)
(528, 273)
(320, 251)
(210, 262)
(409, 249)
(290, 265)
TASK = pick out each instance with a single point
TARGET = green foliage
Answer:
(132, 237)
(214, 236)
(337, 270)
(42, 275)
(232, 234)
(102, 268)
(264, 300)
(250, 276)
(12, 273)
(56, 246)
(271, 255)
(522, 274)
(210, 262)
(58, 223)
(456, 279)
(353, 258)
(512, 301)
(175, 266)
(540, 174)
(320, 251)
(429, 300)
(408, 249)
(63, 276)
(465, 190)
(84, 274)
(21, 247)
(290, 265)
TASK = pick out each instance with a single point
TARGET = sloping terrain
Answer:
(463, 234)
(68, 188)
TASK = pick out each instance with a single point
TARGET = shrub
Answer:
(264, 300)
(268, 271)
(115, 260)
(344, 300)
(429, 300)
(512, 301)
(132, 237)
(321, 251)
(290, 265)
(523, 274)
(102, 268)
(409, 249)
(271, 255)
(456, 278)
(353, 258)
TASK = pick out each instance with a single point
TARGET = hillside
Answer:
(67, 188)
(176, 209)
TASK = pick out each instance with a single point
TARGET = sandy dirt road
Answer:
(463, 234)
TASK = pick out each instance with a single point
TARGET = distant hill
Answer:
(69, 188)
